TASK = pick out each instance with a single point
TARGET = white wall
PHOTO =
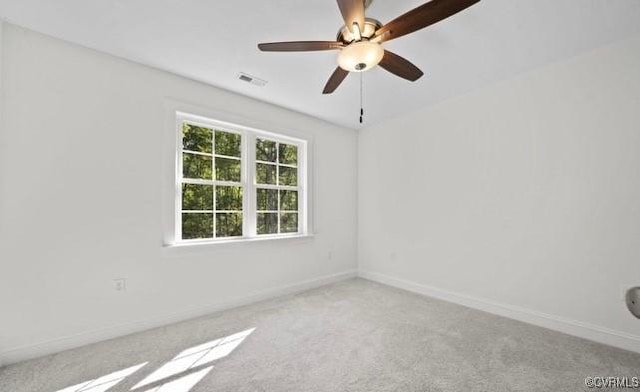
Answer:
(83, 148)
(522, 198)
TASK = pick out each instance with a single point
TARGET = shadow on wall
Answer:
(180, 374)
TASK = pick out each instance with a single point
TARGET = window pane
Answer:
(229, 224)
(288, 154)
(197, 226)
(265, 173)
(196, 138)
(289, 222)
(197, 197)
(228, 144)
(289, 200)
(267, 199)
(227, 169)
(196, 166)
(288, 176)
(267, 223)
(228, 198)
(265, 150)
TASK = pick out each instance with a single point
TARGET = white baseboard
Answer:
(22, 353)
(571, 327)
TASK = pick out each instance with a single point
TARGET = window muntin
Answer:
(276, 187)
(237, 183)
(211, 183)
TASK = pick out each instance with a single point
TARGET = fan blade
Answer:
(421, 17)
(299, 46)
(400, 66)
(334, 81)
(352, 12)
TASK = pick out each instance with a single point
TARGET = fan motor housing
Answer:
(370, 27)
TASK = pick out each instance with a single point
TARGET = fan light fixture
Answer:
(359, 39)
(360, 56)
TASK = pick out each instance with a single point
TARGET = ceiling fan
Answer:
(359, 40)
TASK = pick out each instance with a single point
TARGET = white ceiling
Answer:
(213, 40)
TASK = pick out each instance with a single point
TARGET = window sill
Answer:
(197, 246)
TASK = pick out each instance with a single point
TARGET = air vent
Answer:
(251, 79)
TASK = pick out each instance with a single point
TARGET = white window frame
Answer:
(247, 180)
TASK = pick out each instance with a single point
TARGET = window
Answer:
(277, 187)
(236, 182)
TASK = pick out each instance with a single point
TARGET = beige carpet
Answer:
(351, 336)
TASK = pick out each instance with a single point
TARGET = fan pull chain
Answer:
(361, 108)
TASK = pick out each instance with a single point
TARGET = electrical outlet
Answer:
(120, 284)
